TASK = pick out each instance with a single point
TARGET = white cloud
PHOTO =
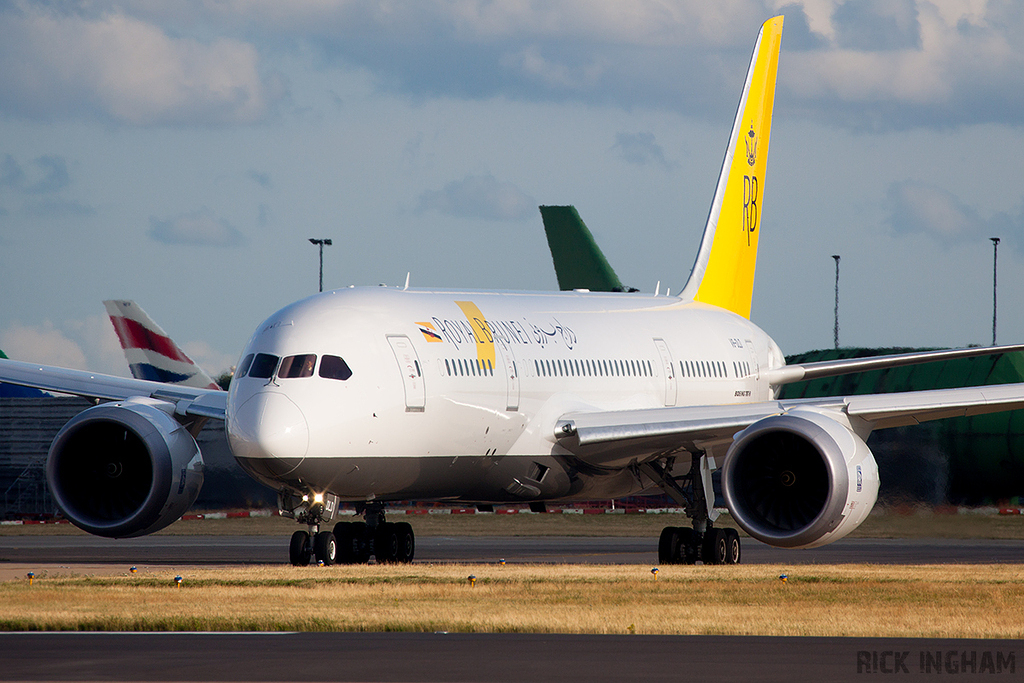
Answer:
(91, 344)
(44, 344)
(640, 149)
(651, 22)
(54, 172)
(56, 65)
(872, 63)
(481, 196)
(915, 207)
(88, 344)
(199, 228)
(96, 336)
(943, 64)
(921, 208)
(212, 361)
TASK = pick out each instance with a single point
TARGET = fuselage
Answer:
(391, 394)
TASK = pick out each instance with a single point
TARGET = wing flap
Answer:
(615, 438)
(912, 407)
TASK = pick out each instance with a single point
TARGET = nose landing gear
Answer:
(349, 542)
(311, 510)
(306, 545)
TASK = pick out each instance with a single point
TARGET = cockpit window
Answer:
(243, 367)
(297, 366)
(263, 366)
(333, 367)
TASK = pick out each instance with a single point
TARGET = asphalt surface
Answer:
(441, 658)
(414, 657)
(219, 550)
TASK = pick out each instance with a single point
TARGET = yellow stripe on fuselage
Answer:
(485, 342)
(728, 280)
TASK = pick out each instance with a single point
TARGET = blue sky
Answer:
(182, 153)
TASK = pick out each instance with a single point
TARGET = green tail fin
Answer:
(579, 263)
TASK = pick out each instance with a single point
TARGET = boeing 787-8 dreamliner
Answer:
(375, 395)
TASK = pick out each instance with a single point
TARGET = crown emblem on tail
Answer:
(751, 141)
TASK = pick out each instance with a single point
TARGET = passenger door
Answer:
(412, 373)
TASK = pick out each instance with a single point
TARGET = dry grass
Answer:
(979, 601)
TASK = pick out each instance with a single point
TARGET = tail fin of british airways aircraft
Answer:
(723, 274)
(151, 354)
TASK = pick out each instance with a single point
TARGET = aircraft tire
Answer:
(299, 551)
(325, 547)
(348, 548)
(715, 547)
(668, 545)
(385, 543)
(406, 542)
(362, 542)
(732, 546)
(687, 553)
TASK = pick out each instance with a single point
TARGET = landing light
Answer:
(318, 498)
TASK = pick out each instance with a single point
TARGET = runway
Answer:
(225, 550)
(440, 658)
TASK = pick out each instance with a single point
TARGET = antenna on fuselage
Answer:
(407, 276)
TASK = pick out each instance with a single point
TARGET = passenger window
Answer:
(333, 367)
(243, 367)
(263, 366)
(297, 366)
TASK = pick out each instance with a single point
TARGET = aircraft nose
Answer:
(269, 425)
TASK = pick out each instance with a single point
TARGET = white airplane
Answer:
(374, 395)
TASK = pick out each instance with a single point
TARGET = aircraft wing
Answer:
(196, 402)
(788, 374)
(617, 437)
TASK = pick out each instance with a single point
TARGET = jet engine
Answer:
(799, 480)
(124, 469)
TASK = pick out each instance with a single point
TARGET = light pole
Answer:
(321, 244)
(995, 261)
(835, 332)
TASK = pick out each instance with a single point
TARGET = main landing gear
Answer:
(704, 542)
(679, 545)
(352, 542)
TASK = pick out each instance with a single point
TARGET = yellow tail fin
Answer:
(723, 274)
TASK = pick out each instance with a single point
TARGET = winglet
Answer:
(723, 274)
(151, 354)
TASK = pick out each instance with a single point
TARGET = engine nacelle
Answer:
(799, 480)
(124, 469)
